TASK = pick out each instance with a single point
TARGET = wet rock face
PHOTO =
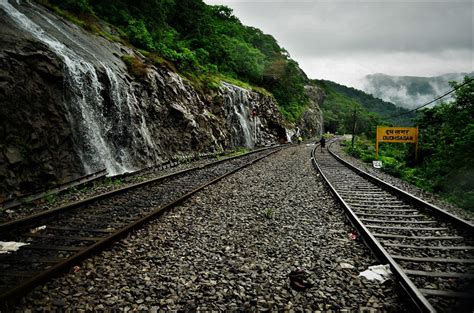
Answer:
(35, 143)
(70, 106)
(311, 122)
(264, 128)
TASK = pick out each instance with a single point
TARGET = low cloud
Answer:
(350, 69)
(411, 92)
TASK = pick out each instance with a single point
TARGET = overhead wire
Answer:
(434, 100)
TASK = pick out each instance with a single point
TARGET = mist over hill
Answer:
(341, 101)
(410, 91)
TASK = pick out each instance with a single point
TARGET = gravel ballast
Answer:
(425, 195)
(100, 186)
(231, 247)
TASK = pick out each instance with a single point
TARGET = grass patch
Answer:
(244, 85)
(239, 151)
(135, 66)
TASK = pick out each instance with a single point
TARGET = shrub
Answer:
(139, 35)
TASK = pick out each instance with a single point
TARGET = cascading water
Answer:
(238, 102)
(80, 109)
(288, 136)
(104, 136)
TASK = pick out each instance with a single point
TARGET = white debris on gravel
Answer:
(37, 229)
(10, 246)
(381, 273)
(344, 265)
(231, 248)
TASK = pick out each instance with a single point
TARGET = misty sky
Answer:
(345, 40)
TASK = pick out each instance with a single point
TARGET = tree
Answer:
(447, 146)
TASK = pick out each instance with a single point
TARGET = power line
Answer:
(434, 100)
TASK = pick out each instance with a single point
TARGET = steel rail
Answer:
(7, 299)
(28, 220)
(453, 219)
(420, 303)
(12, 203)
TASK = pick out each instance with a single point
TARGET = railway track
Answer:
(430, 251)
(57, 240)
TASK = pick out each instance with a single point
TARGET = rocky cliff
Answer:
(69, 106)
(311, 121)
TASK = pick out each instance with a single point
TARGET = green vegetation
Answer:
(110, 181)
(135, 66)
(238, 151)
(208, 44)
(269, 213)
(446, 150)
(341, 102)
(372, 104)
(397, 158)
(51, 199)
(204, 43)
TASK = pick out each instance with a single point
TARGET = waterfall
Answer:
(288, 136)
(239, 105)
(104, 136)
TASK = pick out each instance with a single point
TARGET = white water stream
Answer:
(85, 105)
(239, 100)
(108, 121)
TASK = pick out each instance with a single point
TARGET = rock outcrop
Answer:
(69, 106)
(311, 121)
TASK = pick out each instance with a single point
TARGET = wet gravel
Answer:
(231, 247)
(427, 196)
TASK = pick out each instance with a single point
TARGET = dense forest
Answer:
(447, 149)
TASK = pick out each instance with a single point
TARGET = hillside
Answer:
(208, 44)
(341, 101)
(410, 91)
(204, 43)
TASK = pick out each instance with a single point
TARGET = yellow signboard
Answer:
(396, 134)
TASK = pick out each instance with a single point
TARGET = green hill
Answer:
(341, 102)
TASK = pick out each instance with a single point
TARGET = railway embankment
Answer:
(232, 247)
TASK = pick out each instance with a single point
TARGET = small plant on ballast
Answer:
(51, 199)
(269, 213)
(109, 181)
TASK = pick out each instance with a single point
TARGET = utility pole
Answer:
(354, 125)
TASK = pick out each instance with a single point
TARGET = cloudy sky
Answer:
(344, 40)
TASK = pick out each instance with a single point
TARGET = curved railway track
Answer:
(430, 251)
(59, 239)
